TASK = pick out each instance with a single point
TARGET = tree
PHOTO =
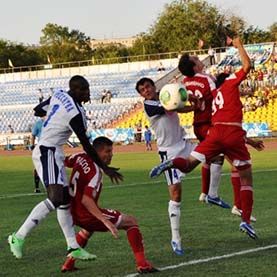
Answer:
(64, 45)
(255, 35)
(19, 54)
(180, 26)
(273, 31)
(110, 52)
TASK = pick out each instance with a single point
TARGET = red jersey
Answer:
(202, 86)
(227, 106)
(85, 179)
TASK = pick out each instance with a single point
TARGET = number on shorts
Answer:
(218, 102)
(175, 173)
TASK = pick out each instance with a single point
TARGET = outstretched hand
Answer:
(112, 228)
(258, 145)
(195, 101)
(114, 175)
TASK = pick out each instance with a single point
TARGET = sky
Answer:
(22, 21)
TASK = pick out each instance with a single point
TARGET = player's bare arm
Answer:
(246, 63)
(41, 109)
(78, 127)
(257, 144)
(91, 206)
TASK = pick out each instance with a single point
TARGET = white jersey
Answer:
(166, 125)
(56, 127)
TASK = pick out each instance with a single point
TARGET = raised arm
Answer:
(41, 109)
(246, 63)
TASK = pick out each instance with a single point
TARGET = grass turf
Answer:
(207, 231)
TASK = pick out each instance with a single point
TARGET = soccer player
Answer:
(64, 114)
(235, 180)
(171, 143)
(202, 85)
(36, 132)
(85, 188)
(225, 136)
(147, 138)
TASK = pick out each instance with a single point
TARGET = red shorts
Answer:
(201, 131)
(92, 224)
(226, 139)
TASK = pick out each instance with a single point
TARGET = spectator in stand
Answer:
(108, 97)
(161, 67)
(260, 78)
(10, 129)
(103, 96)
(41, 97)
(211, 54)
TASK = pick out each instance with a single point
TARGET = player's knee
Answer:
(66, 196)
(132, 220)
(218, 160)
(127, 221)
(56, 200)
(175, 191)
(55, 195)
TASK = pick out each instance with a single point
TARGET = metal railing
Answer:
(145, 57)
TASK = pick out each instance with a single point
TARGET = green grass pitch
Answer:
(207, 231)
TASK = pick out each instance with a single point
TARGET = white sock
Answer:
(39, 212)
(214, 179)
(65, 220)
(174, 211)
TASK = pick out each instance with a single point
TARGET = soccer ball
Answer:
(173, 96)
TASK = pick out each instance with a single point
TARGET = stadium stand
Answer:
(18, 98)
(124, 109)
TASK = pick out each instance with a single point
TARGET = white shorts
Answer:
(183, 150)
(49, 164)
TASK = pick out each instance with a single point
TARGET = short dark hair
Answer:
(142, 81)
(78, 81)
(101, 141)
(186, 66)
(220, 79)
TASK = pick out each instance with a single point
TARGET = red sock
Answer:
(246, 195)
(135, 241)
(82, 238)
(235, 179)
(181, 164)
(205, 178)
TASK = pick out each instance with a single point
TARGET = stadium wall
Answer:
(85, 70)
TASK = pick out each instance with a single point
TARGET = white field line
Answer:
(215, 258)
(128, 185)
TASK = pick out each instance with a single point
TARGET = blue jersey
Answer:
(36, 130)
(147, 135)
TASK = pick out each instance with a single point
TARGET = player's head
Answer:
(79, 89)
(190, 65)
(220, 79)
(104, 148)
(146, 88)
